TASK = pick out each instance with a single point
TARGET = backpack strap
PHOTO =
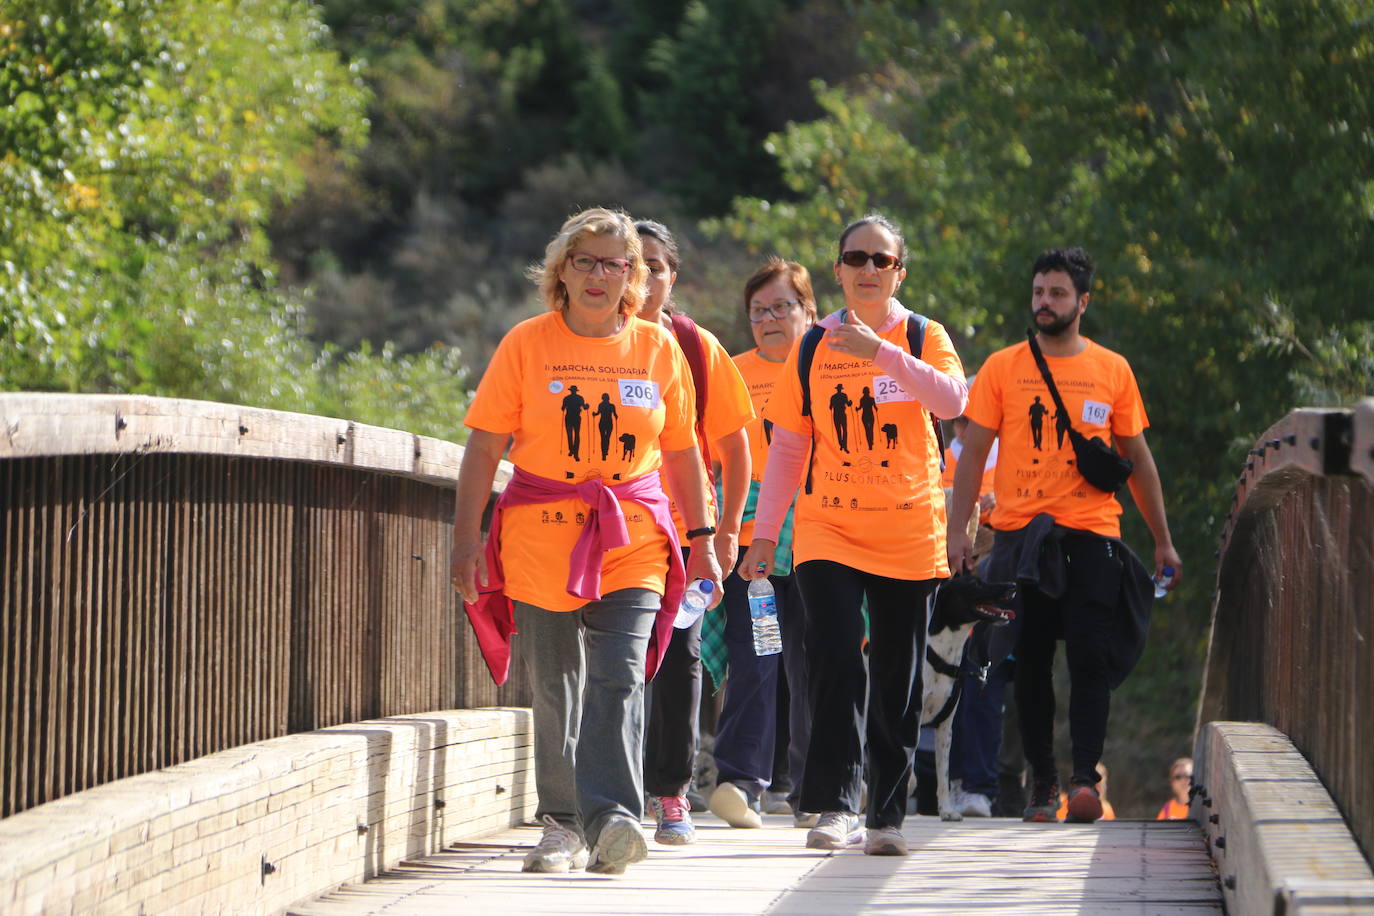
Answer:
(915, 339)
(689, 339)
(806, 354)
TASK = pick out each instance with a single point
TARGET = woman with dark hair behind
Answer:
(723, 409)
(870, 529)
(780, 306)
(583, 557)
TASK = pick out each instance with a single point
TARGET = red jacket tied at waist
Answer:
(492, 614)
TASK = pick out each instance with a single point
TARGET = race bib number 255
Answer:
(886, 390)
(639, 393)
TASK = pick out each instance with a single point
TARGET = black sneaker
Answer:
(1044, 804)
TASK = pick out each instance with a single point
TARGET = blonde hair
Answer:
(596, 221)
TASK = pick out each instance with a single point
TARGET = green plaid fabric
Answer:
(714, 657)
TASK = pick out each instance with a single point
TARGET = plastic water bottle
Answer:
(763, 609)
(1161, 581)
(695, 600)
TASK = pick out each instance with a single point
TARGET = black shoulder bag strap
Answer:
(1045, 372)
(1098, 463)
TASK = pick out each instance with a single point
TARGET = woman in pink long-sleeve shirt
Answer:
(870, 529)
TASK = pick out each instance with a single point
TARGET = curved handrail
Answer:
(1293, 613)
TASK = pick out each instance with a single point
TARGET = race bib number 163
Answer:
(639, 393)
(1096, 413)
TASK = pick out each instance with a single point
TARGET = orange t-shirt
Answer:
(583, 408)
(1173, 809)
(759, 375)
(1035, 465)
(876, 503)
(728, 409)
(952, 453)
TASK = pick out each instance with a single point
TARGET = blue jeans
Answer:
(978, 731)
(586, 674)
(747, 727)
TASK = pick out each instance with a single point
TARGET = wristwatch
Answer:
(699, 532)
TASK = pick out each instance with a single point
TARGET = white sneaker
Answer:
(805, 819)
(834, 830)
(731, 804)
(620, 843)
(973, 804)
(775, 802)
(559, 850)
(885, 841)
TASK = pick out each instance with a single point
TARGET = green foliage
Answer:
(146, 146)
(705, 106)
(422, 393)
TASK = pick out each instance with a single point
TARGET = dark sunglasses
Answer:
(882, 261)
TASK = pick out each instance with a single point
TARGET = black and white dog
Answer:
(960, 603)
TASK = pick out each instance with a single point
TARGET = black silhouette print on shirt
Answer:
(573, 406)
(606, 424)
(1037, 423)
(868, 414)
(840, 405)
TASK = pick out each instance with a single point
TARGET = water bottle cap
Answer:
(706, 585)
(1168, 572)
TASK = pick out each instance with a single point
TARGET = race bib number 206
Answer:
(639, 393)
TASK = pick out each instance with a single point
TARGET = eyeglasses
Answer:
(777, 310)
(586, 263)
(881, 260)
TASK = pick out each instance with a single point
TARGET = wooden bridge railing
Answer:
(1293, 622)
(180, 577)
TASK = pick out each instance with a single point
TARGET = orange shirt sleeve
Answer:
(728, 406)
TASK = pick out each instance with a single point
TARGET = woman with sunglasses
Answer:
(780, 306)
(870, 531)
(583, 557)
(723, 410)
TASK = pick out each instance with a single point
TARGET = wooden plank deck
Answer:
(1114, 867)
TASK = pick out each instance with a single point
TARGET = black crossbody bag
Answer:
(1100, 464)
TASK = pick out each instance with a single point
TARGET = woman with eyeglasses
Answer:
(780, 306)
(582, 558)
(870, 531)
(723, 410)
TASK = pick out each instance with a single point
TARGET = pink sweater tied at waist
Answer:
(492, 614)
